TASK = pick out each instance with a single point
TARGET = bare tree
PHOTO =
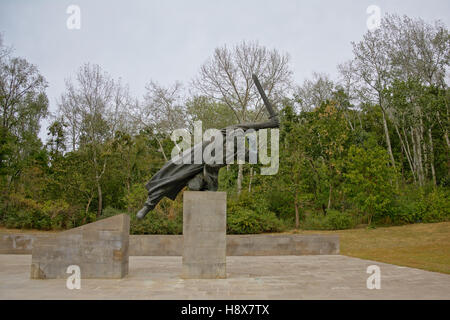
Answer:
(165, 107)
(92, 110)
(227, 78)
(372, 70)
(4, 50)
(314, 91)
(418, 49)
(348, 80)
(162, 111)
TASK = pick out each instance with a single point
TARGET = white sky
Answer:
(168, 40)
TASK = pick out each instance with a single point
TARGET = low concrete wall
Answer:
(19, 243)
(280, 245)
(156, 245)
(241, 245)
(172, 245)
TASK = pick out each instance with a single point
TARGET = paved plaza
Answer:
(257, 277)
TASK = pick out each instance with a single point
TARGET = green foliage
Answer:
(333, 220)
(153, 223)
(435, 206)
(227, 179)
(250, 214)
(339, 220)
(415, 205)
(213, 115)
(135, 198)
(247, 221)
(334, 162)
(25, 213)
(282, 204)
(402, 212)
(370, 181)
(62, 215)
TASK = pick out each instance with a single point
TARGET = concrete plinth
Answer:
(204, 235)
(99, 249)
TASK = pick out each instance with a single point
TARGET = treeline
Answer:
(371, 147)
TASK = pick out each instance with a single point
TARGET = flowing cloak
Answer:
(173, 177)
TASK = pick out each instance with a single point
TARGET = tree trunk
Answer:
(250, 182)
(88, 205)
(74, 142)
(446, 139)
(444, 129)
(100, 199)
(329, 196)
(388, 139)
(433, 171)
(87, 209)
(297, 216)
(423, 146)
(161, 149)
(240, 178)
(407, 153)
(419, 157)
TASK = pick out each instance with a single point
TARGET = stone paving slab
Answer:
(249, 277)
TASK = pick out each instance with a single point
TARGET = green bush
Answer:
(405, 208)
(61, 214)
(334, 220)
(136, 197)
(370, 181)
(435, 206)
(250, 214)
(25, 213)
(339, 220)
(314, 221)
(247, 221)
(110, 212)
(282, 204)
(402, 212)
(154, 222)
(251, 201)
(416, 205)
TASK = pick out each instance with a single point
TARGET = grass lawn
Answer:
(422, 246)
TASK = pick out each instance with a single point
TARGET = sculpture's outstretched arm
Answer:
(272, 123)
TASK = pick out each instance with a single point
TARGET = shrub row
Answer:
(247, 214)
(23, 213)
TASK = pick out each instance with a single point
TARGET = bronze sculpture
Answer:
(173, 177)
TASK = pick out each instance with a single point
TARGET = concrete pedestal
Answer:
(204, 235)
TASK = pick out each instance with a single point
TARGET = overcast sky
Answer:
(169, 40)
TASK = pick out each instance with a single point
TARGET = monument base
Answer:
(99, 249)
(204, 235)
